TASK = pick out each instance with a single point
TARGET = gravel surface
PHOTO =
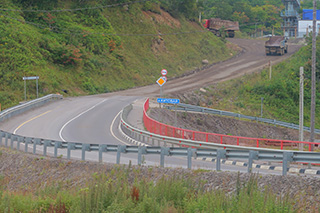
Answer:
(25, 172)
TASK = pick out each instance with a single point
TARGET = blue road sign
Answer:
(168, 101)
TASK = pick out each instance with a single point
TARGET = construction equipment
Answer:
(276, 45)
(219, 26)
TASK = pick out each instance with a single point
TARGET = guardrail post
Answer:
(45, 145)
(6, 140)
(253, 155)
(287, 157)
(56, 146)
(120, 149)
(71, 146)
(35, 142)
(221, 153)
(27, 141)
(102, 147)
(20, 139)
(191, 153)
(13, 138)
(1, 136)
(164, 152)
(141, 150)
(85, 147)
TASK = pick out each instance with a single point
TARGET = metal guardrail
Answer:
(192, 108)
(189, 153)
(221, 151)
(16, 110)
(206, 149)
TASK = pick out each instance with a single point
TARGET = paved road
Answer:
(93, 119)
(251, 60)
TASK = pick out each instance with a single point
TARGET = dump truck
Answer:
(276, 45)
(215, 25)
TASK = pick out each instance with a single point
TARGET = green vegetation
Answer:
(281, 93)
(252, 15)
(117, 193)
(97, 50)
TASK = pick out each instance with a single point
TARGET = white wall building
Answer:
(305, 27)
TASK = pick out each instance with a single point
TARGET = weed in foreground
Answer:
(118, 192)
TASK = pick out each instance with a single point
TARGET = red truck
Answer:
(215, 25)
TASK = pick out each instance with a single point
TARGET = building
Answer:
(290, 17)
(305, 25)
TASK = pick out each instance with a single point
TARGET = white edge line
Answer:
(60, 132)
(112, 133)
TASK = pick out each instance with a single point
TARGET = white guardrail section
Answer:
(192, 108)
(16, 110)
(218, 151)
(209, 150)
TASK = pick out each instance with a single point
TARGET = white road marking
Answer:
(60, 132)
(112, 133)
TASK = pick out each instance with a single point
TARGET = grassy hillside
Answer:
(281, 93)
(95, 50)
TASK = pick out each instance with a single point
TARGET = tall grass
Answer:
(118, 191)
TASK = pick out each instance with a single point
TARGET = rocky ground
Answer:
(25, 172)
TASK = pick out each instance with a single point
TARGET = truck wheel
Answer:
(281, 52)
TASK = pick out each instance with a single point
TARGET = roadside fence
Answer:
(192, 108)
(166, 130)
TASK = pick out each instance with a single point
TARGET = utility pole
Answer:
(313, 74)
(262, 107)
(270, 69)
(301, 105)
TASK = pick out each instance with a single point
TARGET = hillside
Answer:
(96, 50)
(280, 93)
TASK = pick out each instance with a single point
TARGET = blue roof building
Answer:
(307, 14)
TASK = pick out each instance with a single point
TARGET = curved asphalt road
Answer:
(94, 119)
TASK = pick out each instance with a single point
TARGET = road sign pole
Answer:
(301, 107)
(175, 115)
(25, 90)
(25, 85)
(37, 88)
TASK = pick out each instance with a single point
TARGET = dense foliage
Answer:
(251, 14)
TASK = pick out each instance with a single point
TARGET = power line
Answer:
(59, 30)
(76, 9)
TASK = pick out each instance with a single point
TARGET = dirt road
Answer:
(251, 59)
